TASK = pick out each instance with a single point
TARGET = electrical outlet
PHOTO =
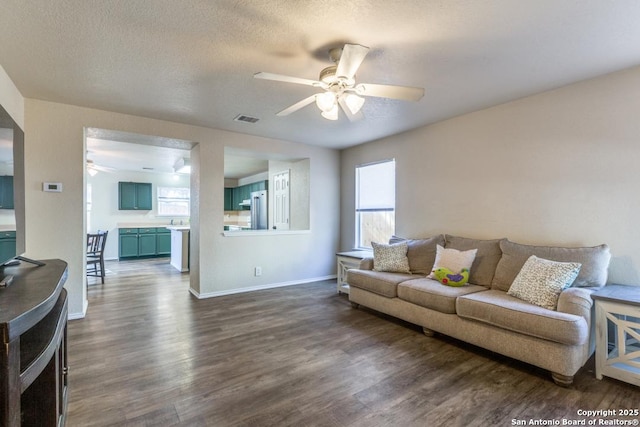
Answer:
(258, 271)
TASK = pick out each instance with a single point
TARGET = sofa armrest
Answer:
(576, 301)
(366, 264)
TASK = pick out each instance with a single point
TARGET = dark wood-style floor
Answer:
(148, 353)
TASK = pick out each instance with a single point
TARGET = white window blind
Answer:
(173, 201)
(375, 203)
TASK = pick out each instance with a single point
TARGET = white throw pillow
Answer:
(540, 281)
(453, 259)
(391, 258)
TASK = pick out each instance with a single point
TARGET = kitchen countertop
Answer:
(179, 227)
(7, 227)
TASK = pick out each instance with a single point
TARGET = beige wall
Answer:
(558, 168)
(55, 152)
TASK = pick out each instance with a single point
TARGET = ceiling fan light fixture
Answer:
(326, 101)
(331, 114)
(328, 75)
(354, 102)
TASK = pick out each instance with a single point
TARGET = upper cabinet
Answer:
(6, 192)
(234, 196)
(134, 196)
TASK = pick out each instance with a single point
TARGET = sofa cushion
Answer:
(379, 282)
(487, 257)
(391, 258)
(421, 252)
(540, 281)
(594, 260)
(434, 295)
(504, 311)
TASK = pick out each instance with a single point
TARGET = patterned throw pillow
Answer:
(540, 281)
(391, 258)
(453, 260)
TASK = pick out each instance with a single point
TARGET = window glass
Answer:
(375, 203)
(173, 201)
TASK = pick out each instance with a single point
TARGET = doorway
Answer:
(134, 191)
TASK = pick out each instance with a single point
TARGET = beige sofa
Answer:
(481, 312)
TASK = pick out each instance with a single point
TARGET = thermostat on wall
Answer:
(55, 187)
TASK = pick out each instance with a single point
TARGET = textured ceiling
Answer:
(192, 61)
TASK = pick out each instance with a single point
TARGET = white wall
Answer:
(55, 151)
(558, 168)
(11, 98)
(104, 210)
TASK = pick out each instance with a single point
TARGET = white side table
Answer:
(618, 326)
(345, 261)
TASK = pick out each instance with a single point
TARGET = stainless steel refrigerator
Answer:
(259, 210)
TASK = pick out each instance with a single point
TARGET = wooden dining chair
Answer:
(95, 254)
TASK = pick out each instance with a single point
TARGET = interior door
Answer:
(281, 198)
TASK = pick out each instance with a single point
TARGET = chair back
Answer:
(96, 242)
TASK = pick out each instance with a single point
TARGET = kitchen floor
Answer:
(132, 268)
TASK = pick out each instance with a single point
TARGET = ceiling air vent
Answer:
(243, 118)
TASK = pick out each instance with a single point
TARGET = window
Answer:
(375, 203)
(173, 201)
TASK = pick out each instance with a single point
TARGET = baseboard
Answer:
(260, 287)
(76, 316)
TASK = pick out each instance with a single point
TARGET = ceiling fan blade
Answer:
(104, 168)
(286, 79)
(405, 93)
(347, 111)
(351, 58)
(297, 106)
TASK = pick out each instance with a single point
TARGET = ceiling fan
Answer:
(93, 169)
(340, 88)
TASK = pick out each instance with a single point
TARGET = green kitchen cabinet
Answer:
(163, 241)
(228, 199)
(147, 242)
(7, 245)
(128, 242)
(258, 186)
(6, 192)
(134, 196)
(144, 242)
(242, 193)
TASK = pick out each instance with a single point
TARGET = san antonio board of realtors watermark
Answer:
(600, 417)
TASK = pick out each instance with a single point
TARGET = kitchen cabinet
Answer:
(144, 242)
(163, 241)
(134, 196)
(147, 241)
(128, 242)
(7, 245)
(6, 192)
(228, 199)
(180, 247)
(242, 193)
